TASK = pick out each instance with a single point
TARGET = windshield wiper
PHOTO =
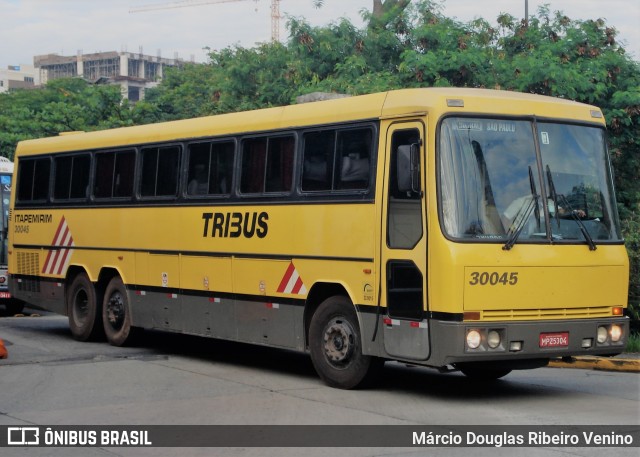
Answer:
(528, 206)
(575, 217)
(572, 212)
(554, 195)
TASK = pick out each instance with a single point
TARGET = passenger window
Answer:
(267, 164)
(71, 177)
(33, 179)
(354, 154)
(337, 160)
(317, 167)
(114, 174)
(210, 168)
(160, 166)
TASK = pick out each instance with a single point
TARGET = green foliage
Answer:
(633, 343)
(64, 105)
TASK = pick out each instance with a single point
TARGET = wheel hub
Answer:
(115, 311)
(339, 342)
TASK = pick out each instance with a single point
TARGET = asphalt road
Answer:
(51, 379)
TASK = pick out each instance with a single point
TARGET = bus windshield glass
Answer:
(502, 180)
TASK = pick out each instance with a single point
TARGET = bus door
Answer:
(404, 244)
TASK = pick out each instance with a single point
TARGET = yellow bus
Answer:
(460, 229)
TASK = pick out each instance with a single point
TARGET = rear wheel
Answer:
(116, 314)
(336, 346)
(83, 309)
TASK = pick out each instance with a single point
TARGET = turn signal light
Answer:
(617, 310)
(471, 316)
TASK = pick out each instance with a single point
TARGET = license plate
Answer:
(5, 295)
(554, 340)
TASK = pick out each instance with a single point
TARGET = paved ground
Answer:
(50, 379)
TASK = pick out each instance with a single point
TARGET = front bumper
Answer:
(522, 340)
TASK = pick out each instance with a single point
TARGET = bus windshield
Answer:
(535, 181)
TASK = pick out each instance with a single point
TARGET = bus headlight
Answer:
(493, 339)
(616, 333)
(473, 339)
(603, 334)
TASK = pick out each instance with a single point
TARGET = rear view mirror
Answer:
(408, 168)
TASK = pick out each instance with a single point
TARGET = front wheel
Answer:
(116, 315)
(336, 347)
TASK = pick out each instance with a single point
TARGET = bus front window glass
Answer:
(578, 181)
(489, 180)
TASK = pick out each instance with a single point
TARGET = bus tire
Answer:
(116, 314)
(83, 309)
(335, 345)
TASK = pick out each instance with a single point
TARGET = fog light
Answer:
(616, 333)
(473, 339)
(602, 335)
(587, 343)
(493, 340)
(515, 346)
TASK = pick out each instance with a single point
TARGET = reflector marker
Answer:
(58, 259)
(292, 282)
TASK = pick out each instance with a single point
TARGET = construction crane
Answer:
(275, 10)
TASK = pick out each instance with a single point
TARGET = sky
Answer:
(66, 27)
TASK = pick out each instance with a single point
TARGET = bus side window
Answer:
(337, 160)
(354, 153)
(267, 164)
(71, 177)
(160, 166)
(114, 174)
(317, 167)
(210, 168)
(33, 179)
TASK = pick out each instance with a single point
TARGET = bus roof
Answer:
(397, 103)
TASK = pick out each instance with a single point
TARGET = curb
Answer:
(627, 365)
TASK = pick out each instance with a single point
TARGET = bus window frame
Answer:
(33, 202)
(238, 169)
(114, 152)
(369, 190)
(139, 171)
(184, 175)
(53, 173)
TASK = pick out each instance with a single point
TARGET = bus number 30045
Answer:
(494, 278)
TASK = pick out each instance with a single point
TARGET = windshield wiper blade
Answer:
(530, 206)
(575, 217)
(531, 203)
(554, 195)
(572, 212)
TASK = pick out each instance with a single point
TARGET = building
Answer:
(18, 77)
(133, 72)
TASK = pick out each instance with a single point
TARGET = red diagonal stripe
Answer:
(298, 285)
(286, 278)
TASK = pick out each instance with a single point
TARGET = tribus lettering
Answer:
(235, 225)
